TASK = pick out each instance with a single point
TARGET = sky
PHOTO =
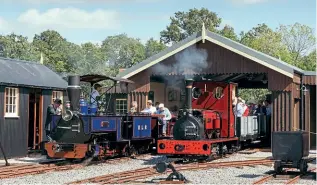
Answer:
(82, 21)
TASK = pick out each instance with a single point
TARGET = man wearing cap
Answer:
(167, 116)
(51, 110)
(149, 107)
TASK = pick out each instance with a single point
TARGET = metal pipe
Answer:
(4, 155)
(189, 86)
(301, 108)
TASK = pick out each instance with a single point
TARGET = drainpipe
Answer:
(301, 108)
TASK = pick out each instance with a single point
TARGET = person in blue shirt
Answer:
(167, 116)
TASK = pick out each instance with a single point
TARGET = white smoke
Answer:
(191, 60)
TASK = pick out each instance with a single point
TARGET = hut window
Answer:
(121, 106)
(57, 94)
(11, 102)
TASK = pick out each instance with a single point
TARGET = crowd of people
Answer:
(159, 108)
(241, 108)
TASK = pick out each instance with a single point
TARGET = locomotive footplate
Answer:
(190, 147)
(66, 150)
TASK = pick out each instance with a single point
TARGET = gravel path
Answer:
(245, 175)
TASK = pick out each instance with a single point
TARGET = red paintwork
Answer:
(190, 147)
(222, 105)
(208, 104)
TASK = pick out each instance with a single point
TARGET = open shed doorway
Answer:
(35, 119)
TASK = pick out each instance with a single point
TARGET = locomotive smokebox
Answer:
(189, 87)
(73, 91)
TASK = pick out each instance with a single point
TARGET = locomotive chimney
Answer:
(73, 91)
(189, 86)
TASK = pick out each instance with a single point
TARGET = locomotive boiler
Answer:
(207, 125)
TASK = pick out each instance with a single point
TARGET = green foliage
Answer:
(184, 24)
(54, 48)
(153, 47)
(253, 94)
(228, 32)
(299, 39)
(17, 46)
(122, 51)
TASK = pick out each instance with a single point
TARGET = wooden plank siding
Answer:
(281, 111)
(217, 63)
(14, 131)
(309, 80)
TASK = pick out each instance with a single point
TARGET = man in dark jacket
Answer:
(51, 110)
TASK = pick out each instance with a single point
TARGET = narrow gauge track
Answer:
(31, 169)
(133, 175)
(286, 177)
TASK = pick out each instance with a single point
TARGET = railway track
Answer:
(286, 177)
(142, 173)
(32, 169)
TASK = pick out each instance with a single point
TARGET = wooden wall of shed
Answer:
(309, 80)
(47, 100)
(111, 98)
(312, 117)
(218, 61)
(281, 119)
(140, 98)
(14, 131)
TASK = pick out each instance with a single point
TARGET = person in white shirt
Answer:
(93, 96)
(149, 107)
(239, 108)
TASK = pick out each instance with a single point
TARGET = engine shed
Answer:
(209, 55)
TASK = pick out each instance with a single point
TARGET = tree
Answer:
(187, 23)
(93, 60)
(54, 49)
(228, 32)
(122, 51)
(308, 62)
(264, 39)
(153, 47)
(298, 38)
(17, 47)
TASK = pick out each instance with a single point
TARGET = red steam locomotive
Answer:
(207, 125)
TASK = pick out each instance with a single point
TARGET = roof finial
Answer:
(203, 32)
(42, 59)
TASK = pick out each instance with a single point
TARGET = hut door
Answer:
(34, 119)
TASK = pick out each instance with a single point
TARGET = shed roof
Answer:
(31, 74)
(254, 55)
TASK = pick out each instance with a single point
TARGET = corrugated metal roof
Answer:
(24, 73)
(225, 41)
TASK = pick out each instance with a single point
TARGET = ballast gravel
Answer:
(244, 175)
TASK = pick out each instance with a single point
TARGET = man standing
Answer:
(51, 110)
(94, 98)
(167, 116)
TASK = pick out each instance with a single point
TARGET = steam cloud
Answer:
(191, 60)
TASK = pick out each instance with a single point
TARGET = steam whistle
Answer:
(175, 175)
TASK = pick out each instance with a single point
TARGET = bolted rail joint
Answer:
(175, 175)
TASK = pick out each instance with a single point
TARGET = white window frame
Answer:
(15, 103)
(57, 94)
(125, 104)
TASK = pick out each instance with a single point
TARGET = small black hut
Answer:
(26, 89)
